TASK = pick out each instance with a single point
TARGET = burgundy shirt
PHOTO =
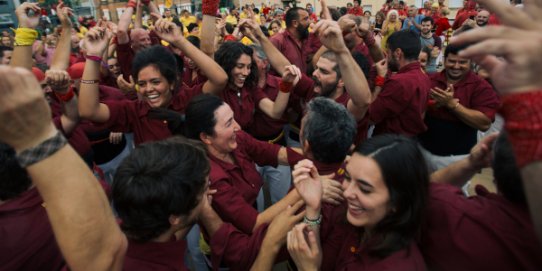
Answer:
(242, 104)
(484, 232)
(400, 106)
(443, 125)
(166, 256)
(235, 249)
(238, 184)
(295, 53)
(131, 116)
(342, 250)
(27, 239)
(264, 126)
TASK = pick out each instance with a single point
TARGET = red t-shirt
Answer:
(27, 239)
(238, 184)
(131, 116)
(484, 232)
(401, 105)
(295, 53)
(158, 256)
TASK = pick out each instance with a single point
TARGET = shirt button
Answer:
(165, 121)
(252, 185)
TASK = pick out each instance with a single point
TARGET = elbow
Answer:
(221, 79)
(86, 112)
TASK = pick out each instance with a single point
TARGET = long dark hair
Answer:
(200, 115)
(406, 176)
(227, 55)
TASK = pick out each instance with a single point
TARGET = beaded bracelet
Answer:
(312, 222)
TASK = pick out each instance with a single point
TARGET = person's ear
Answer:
(205, 138)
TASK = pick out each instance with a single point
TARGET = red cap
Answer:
(76, 70)
(40, 76)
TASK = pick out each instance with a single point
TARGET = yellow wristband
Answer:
(25, 36)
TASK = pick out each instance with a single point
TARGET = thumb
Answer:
(313, 243)
(131, 80)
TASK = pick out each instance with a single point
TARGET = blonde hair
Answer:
(392, 12)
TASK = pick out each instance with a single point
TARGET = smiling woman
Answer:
(385, 187)
(156, 72)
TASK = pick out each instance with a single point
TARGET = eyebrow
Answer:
(363, 182)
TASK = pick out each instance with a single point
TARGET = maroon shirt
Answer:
(342, 251)
(484, 232)
(27, 239)
(166, 256)
(297, 54)
(242, 104)
(443, 125)
(235, 249)
(131, 116)
(400, 106)
(238, 184)
(264, 126)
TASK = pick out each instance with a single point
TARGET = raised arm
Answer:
(59, 81)
(25, 35)
(124, 22)
(275, 109)
(277, 60)
(354, 80)
(208, 27)
(77, 207)
(138, 20)
(95, 42)
(61, 57)
(217, 77)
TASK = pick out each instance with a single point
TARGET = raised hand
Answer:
(330, 35)
(517, 41)
(304, 248)
(28, 15)
(24, 113)
(308, 184)
(168, 31)
(58, 80)
(382, 67)
(124, 85)
(250, 29)
(96, 41)
(64, 13)
(291, 74)
(482, 153)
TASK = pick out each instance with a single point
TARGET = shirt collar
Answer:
(409, 67)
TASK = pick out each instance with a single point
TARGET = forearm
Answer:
(124, 24)
(266, 256)
(270, 213)
(79, 212)
(457, 173)
(22, 57)
(70, 118)
(211, 221)
(89, 94)
(217, 77)
(472, 118)
(376, 52)
(277, 60)
(207, 35)
(61, 57)
(138, 21)
(317, 55)
(354, 79)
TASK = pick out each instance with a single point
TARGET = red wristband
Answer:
(66, 97)
(209, 7)
(379, 81)
(523, 122)
(285, 87)
(132, 4)
(94, 58)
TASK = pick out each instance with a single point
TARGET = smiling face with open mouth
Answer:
(241, 71)
(366, 193)
(154, 87)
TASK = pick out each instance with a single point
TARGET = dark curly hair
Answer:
(227, 55)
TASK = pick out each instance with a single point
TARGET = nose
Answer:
(236, 126)
(246, 71)
(348, 189)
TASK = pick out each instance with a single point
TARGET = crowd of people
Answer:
(147, 144)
